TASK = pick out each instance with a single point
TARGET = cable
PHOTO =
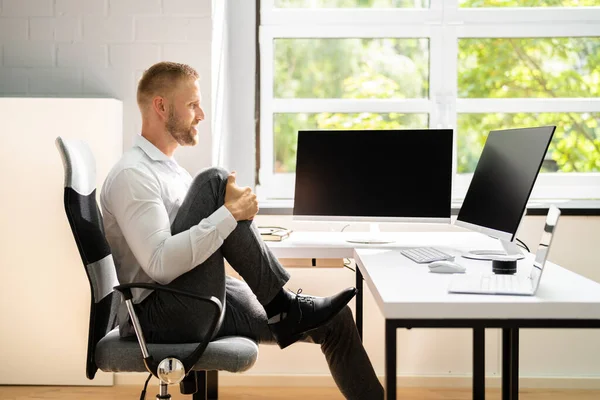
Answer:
(523, 244)
(348, 264)
(143, 395)
(347, 225)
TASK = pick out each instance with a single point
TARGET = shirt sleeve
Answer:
(137, 206)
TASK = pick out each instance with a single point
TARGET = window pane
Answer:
(351, 68)
(352, 3)
(530, 68)
(575, 146)
(286, 127)
(527, 3)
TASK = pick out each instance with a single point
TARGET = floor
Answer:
(272, 393)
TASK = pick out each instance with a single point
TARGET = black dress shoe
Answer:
(307, 313)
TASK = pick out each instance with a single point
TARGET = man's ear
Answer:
(160, 106)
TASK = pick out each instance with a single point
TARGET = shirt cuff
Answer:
(223, 221)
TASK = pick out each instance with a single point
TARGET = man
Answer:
(165, 227)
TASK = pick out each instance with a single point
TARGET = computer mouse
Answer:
(446, 267)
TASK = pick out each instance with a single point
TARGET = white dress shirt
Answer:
(140, 199)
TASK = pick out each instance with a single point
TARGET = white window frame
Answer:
(443, 24)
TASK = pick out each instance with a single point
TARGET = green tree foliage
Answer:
(351, 68)
(351, 3)
(532, 68)
(346, 69)
(527, 3)
(550, 68)
(286, 127)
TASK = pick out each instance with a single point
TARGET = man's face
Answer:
(185, 113)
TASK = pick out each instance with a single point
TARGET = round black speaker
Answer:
(504, 267)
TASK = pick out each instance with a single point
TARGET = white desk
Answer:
(334, 244)
(409, 296)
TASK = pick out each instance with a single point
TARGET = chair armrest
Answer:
(192, 359)
(125, 290)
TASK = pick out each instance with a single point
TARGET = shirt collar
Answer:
(152, 151)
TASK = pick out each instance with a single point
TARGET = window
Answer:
(532, 68)
(286, 126)
(351, 68)
(351, 3)
(574, 148)
(527, 3)
(471, 65)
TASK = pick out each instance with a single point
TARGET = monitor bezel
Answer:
(501, 235)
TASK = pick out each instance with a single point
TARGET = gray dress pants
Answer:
(171, 318)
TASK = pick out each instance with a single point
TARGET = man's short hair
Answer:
(159, 80)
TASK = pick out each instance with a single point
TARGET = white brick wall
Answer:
(60, 82)
(135, 55)
(60, 29)
(79, 7)
(89, 55)
(173, 29)
(12, 29)
(186, 7)
(134, 7)
(27, 8)
(29, 54)
(108, 29)
(101, 47)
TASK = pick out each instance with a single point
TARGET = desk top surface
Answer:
(335, 244)
(405, 289)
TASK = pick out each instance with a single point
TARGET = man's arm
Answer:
(136, 203)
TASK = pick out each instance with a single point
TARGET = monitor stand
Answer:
(511, 250)
(371, 237)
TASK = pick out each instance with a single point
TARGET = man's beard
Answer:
(184, 134)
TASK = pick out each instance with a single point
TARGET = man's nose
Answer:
(200, 114)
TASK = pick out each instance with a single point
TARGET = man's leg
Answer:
(249, 256)
(166, 317)
(340, 343)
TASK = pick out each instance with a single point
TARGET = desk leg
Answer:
(359, 302)
(510, 364)
(514, 364)
(390, 360)
(506, 367)
(478, 363)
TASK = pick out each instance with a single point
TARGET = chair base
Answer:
(163, 394)
(202, 385)
(189, 384)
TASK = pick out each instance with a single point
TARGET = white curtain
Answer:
(233, 87)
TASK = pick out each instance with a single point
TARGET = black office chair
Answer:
(193, 365)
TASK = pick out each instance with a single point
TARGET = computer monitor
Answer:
(374, 176)
(497, 197)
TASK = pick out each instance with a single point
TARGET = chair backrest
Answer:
(86, 224)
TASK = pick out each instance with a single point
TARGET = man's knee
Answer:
(213, 173)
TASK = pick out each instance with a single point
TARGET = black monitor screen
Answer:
(504, 178)
(374, 173)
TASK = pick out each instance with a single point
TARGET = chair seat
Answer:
(231, 353)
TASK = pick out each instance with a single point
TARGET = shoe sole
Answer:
(291, 340)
